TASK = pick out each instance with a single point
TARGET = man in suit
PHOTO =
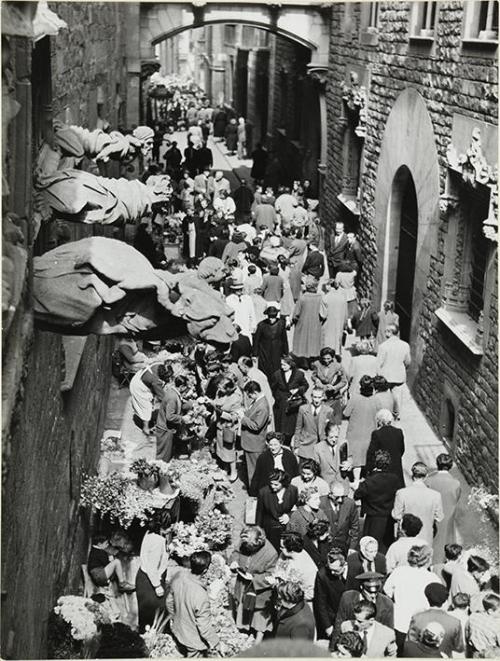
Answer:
(370, 590)
(310, 428)
(338, 249)
(189, 608)
(450, 490)
(254, 425)
(420, 500)
(170, 417)
(353, 252)
(327, 454)
(437, 596)
(315, 262)
(343, 517)
(378, 639)
(328, 589)
(393, 358)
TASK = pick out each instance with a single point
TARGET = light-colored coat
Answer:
(310, 429)
(188, 604)
(450, 490)
(382, 642)
(254, 426)
(333, 310)
(393, 358)
(420, 501)
(328, 461)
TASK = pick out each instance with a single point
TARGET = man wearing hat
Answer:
(437, 596)
(242, 304)
(370, 590)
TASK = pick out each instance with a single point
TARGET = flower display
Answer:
(232, 641)
(83, 615)
(186, 540)
(119, 498)
(215, 527)
(199, 477)
(159, 643)
(111, 447)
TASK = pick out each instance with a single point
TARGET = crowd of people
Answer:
(336, 548)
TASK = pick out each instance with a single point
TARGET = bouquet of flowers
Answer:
(83, 615)
(111, 446)
(159, 643)
(481, 498)
(119, 498)
(173, 227)
(232, 641)
(215, 528)
(186, 540)
(198, 475)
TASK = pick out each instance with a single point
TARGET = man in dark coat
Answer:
(315, 262)
(243, 199)
(353, 253)
(173, 157)
(259, 157)
(219, 119)
(377, 493)
(370, 590)
(240, 347)
(328, 590)
(270, 341)
(203, 159)
(338, 249)
(343, 516)
(388, 438)
(294, 618)
(274, 455)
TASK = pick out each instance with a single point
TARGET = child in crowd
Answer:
(102, 566)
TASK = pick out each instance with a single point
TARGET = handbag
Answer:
(294, 402)
(248, 602)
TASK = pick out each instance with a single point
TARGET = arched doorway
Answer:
(407, 249)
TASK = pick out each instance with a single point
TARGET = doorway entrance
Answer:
(407, 253)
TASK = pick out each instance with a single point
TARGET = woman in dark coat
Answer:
(231, 135)
(274, 456)
(270, 342)
(389, 438)
(219, 119)
(274, 505)
(377, 493)
(285, 383)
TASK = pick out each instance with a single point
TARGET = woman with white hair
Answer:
(364, 362)
(389, 438)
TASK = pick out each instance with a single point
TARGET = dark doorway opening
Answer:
(407, 255)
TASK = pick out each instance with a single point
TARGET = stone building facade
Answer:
(412, 137)
(54, 386)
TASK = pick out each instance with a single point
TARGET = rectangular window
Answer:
(423, 19)
(229, 34)
(481, 21)
(373, 16)
(479, 260)
(248, 36)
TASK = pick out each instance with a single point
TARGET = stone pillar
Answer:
(133, 64)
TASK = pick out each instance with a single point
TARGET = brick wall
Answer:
(450, 80)
(91, 53)
(49, 438)
(54, 440)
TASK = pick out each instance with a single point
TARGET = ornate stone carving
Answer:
(447, 204)
(490, 224)
(355, 99)
(455, 297)
(472, 165)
